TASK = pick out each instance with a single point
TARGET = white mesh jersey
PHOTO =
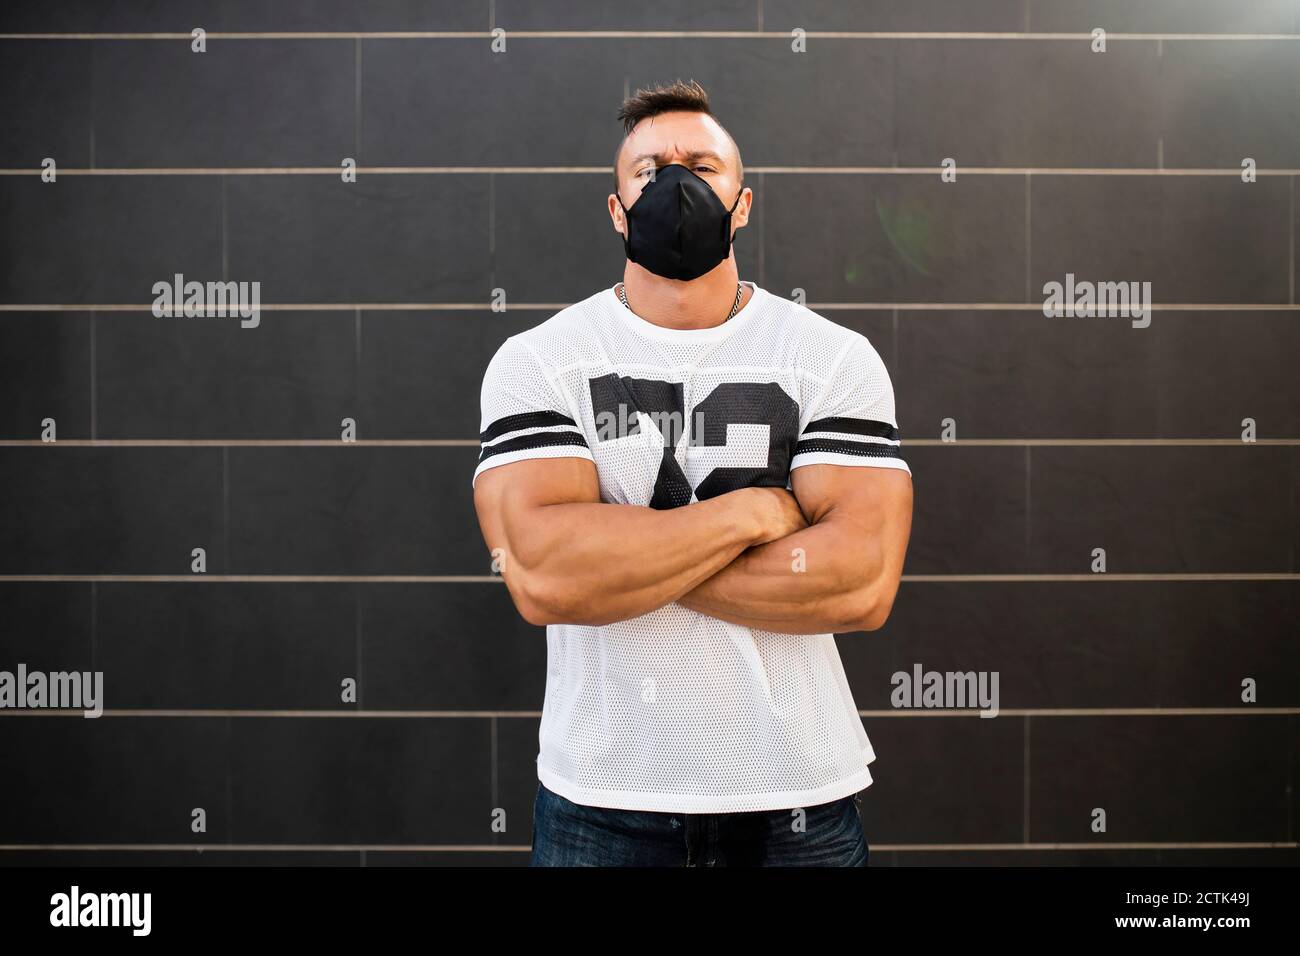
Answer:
(674, 710)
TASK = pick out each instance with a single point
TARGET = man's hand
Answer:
(778, 513)
(851, 558)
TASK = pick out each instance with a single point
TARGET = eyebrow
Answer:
(690, 156)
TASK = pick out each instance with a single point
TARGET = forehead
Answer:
(677, 134)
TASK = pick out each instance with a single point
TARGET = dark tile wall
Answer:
(227, 693)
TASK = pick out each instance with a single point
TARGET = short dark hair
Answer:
(675, 97)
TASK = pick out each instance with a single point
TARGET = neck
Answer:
(699, 304)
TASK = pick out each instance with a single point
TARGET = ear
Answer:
(740, 216)
(616, 215)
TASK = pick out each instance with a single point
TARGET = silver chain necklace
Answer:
(735, 306)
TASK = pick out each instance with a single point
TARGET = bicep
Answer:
(506, 497)
(875, 502)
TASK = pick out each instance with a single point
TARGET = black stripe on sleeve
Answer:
(535, 440)
(854, 426)
(838, 446)
(514, 423)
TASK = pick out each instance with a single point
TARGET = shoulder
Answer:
(555, 341)
(821, 345)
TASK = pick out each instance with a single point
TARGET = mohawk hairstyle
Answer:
(675, 97)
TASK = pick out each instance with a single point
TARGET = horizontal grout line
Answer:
(1066, 578)
(475, 443)
(536, 714)
(495, 579)
(251, 578)
(202, 848)
(654, 35)
(605, 171)
(1095, 442)
(525, 848)
(556, 306)
(1000, 171)
(997, 847)
(254, 442)
(1085, 712)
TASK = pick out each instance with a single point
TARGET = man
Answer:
(639, 451)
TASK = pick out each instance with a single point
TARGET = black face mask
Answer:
(678, 227)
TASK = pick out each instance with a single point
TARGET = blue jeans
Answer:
(572, 834)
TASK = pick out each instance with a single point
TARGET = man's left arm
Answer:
(839, 574)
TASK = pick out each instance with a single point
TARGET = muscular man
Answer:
(693, 484)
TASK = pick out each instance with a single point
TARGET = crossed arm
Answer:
(826, 558)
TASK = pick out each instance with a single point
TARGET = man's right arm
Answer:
(568, 558)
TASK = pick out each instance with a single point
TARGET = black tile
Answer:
(46, 109)
(969, 510)
(1024, 375)
(114, 780)
(1223, 102)
(170, 858)
(895, 15)
(1165, 16)
(380, 239)
(666, 15)
(48, 627)
(1194, 239)
(1086, 857)
(1086, 645)
(45, 373)
(333, 15)
(1016, 103)
(1212, 643)
(831, 106)
(1001, 375)
(542, 102)
(351, 510)
(1293, 733)
(106, 239)
(516, 774)
(110, 510)
(360, 780)
(181, 16)
(509, 856)
(560, 249)
(449, 647)
(245, 103)
(1159, 779)
(847, 238)
(421, 373)
(236, 646)
(1170, 509)
(1294, 505)
(293, 375)
(944, 780)
(1019, 858)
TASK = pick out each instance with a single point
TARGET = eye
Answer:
(706, 169)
